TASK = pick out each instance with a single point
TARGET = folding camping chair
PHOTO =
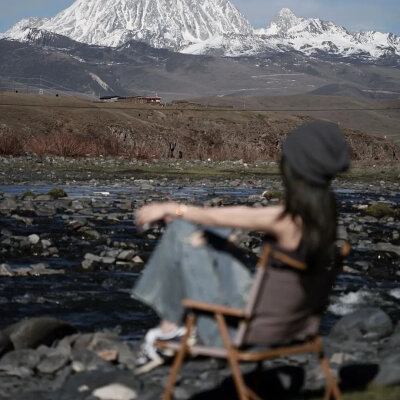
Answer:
(235, 351)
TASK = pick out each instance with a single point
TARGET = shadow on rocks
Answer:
(357, 376)
(288, 382)
(282, 382)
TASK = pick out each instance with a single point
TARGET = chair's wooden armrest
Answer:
(214, 308)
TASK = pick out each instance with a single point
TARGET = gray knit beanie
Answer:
(317, 151)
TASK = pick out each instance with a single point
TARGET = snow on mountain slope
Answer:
(160, 23)
(202, 27)
(311, 35)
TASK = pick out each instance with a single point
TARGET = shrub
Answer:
(56, 193)
(10, 143)
(28, 193)
(380, 211)
(273, 194)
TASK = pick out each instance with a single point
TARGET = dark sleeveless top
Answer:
(291, 301)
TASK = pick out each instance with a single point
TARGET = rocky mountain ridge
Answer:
(171, 24)
(204, 27)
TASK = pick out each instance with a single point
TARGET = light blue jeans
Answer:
(180, 269)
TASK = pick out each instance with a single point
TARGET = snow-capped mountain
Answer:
(160, 23)
(311, 35)
(202, 27)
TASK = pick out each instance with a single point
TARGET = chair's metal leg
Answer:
(332, 388)
(242, 390)
(179, 357)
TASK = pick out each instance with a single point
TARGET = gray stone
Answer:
(85, 360)
(92, 257)
(115, 391)
(77, 223)
(5, 270)
(8, 205)
(391, 248)
(54, 360)
(146, 186)
(34, 239)
(87, 264)
(126, 255)
(45, 243)
(45, 210)
(389, 370)
(33, 332)
(19, 358)
(107, 260)
(368, 323)
(91, 234)
(342, 233)
(44, 269)
(25, 220)
(43, 197)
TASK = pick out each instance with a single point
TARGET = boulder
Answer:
(368, 323)
(53, 361)
(33, 332)
(23, 358)
(389, 370)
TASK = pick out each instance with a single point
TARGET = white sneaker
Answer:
(150, 357)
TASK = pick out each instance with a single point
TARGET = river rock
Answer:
(43, 197)
(8, 205)
(45, 210)
(13, 360)
(43, 269)
(33, 332)
(75, 224)
(53, 361)
(391, 248)
(389, 370)
(85, 360)
(91, 234)
(5, 270)
(368, 323)
(115, 391)
(126, 255)
(34, 239)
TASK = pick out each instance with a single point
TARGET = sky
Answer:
(355, 15)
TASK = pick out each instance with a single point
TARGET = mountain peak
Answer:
(285, 13)
(160, 23)
(284, 20)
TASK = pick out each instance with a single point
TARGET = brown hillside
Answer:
(74, 127)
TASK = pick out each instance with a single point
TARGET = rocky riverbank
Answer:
(75, 252)
(43, 358)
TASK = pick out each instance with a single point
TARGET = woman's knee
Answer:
(181, 229)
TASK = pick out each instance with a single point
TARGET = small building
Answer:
(110, 99)
(141, 99)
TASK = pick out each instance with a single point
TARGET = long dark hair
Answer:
(316, 207)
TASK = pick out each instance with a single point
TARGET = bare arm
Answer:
(258, 219)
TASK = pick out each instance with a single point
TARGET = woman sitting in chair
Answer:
(196, 260)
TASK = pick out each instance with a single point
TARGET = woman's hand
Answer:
(154, 212)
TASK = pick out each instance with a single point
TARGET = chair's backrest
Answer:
(284, 304)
